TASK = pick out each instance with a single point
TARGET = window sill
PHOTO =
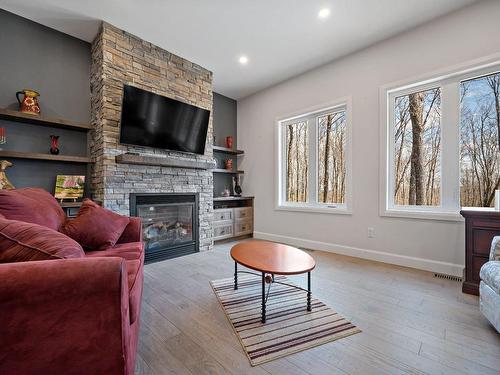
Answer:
(423, 215)
(315, 209)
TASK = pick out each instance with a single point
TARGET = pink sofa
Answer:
(71, 316)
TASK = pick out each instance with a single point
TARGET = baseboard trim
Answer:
(379, 256)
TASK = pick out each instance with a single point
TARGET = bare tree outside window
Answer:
(417, 153)
(331, 157)
(297, 148)
(479, 141)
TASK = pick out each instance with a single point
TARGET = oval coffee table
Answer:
(272, 259)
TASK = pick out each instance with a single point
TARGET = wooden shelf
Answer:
(49, 157)
(10, 115)
(231, 198)
(163, 161)
(70, 204)
(227, 171)
(226, 150)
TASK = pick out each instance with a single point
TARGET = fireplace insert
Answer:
(169, 223)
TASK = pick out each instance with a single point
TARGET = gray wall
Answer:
(224, 112)
(58, 67)
(224, 109)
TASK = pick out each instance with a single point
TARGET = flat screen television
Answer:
(153, 120)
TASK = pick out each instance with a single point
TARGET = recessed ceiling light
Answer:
(243, 60)
(324, 13)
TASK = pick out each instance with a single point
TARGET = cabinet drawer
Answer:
(481, 240)
(243, 212)
(243, 227)
(222, 214)
(223, 230)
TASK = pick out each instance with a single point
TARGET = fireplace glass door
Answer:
(166, 225)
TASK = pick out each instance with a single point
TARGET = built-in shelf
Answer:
(227, 171)
(226, 150)
(232, 198)
(40, 156)
(10, 115)
(163, 161)
(70, 204)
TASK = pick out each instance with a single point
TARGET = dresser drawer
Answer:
(243, 227)
(223, 214)
(481, 240)
(223, 230)
(243, 213)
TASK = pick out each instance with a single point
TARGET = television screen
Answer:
(156, 121)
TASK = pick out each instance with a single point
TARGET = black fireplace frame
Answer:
(175, 250)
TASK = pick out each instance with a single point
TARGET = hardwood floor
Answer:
(412, 322)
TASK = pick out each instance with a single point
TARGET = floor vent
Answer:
(448, 277)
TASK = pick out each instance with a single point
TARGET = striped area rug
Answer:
(289, 327)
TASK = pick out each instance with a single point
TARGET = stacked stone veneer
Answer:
(120, 58)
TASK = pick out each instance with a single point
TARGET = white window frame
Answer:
(280, 166)
(449, 83)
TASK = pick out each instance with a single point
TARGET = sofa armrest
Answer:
(132, 232)
(64, 316)
(495, 248)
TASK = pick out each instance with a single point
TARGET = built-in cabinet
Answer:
(232, 217)
(480, 228)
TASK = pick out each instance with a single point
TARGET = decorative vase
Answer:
(3, 137)
(229, 164)
(237, 187)
(54, 150)
(229, 142)
(29, 103)
(4, 181)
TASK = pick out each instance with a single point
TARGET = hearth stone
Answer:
(169, 223)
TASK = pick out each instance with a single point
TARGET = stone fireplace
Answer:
(120, 58)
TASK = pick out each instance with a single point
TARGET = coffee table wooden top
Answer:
(270, 257)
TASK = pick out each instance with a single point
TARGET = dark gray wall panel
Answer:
(55, 64)
(224, 119)
(58, 67)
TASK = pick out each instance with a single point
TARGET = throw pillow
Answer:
(95, 228)
(32, 205)
(22, 242)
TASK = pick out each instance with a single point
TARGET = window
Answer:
(314, 160)
(417, 148)
(331, 157)
(297, 149)
(479, 140)
(441, 146)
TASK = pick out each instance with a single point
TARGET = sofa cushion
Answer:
(32, 205)
(133, 253)
(490, 274)
(95, 228)
(495, 248)
(22, 242)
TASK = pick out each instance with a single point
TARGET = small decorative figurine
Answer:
(4, 181)
(226, 192)
(229, 164)
(54, 150)
(229, 142)
(237, 187)
(29, 103)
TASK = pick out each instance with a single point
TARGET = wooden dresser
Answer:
(480, 228)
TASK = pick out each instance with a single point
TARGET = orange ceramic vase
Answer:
(29, 103)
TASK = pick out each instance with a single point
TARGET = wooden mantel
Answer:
(164, 161)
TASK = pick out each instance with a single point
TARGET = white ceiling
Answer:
(282, 38)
